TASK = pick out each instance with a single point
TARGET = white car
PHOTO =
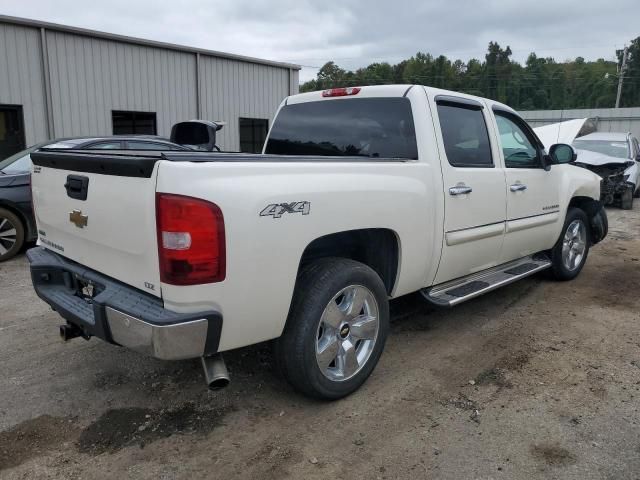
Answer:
(362, 194)
(616, 158)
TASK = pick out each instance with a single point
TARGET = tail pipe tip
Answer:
(215, 372)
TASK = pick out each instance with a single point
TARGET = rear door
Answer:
(533, 193)
(474, 188)
(99, 210)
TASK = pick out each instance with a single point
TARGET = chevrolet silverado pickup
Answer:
(361, 195)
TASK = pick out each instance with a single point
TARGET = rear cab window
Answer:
(365, 127)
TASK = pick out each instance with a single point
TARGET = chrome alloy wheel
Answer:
(8, 235)
(347, 333)
(574, 245)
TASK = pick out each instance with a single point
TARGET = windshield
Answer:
(368, 127)
(19, 162)
(605, 147)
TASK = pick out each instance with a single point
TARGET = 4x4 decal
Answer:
(276, 210)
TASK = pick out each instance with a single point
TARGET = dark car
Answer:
(17, 224)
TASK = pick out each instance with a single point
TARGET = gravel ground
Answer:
(537, 380)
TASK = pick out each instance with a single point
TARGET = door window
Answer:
(465, 135)
(253, 133)
(105, 146)
(11, 130)
(518, 147)
(140, 145)
(133, 123)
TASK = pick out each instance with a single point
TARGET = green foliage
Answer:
(631, 91)
(539, 84)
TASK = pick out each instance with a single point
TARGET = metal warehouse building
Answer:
(58, 81)
(605, 119)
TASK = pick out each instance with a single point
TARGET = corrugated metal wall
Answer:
(89, 77)
(607, 119)
(257, 92)
(22, 79)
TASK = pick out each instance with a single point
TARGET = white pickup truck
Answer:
(361, 195)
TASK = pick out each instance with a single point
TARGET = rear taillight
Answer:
(341, 92)
(191, 241)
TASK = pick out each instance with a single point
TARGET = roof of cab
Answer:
(401, 90)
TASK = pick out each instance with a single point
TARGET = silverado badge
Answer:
(78, 219)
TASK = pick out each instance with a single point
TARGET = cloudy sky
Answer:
(355, 33)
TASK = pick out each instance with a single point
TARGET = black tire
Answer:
(10, 244)
(626, 199)
(636, 194)
(295, 351)
(558, 267)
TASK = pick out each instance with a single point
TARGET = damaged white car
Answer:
(616, 158)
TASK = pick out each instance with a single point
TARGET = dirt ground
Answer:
(536, 380)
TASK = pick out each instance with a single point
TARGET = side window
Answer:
(465, 135)
(139, 145)
(105, 146)
(517, 145)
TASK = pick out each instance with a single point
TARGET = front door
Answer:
(11, 130)
(533, 196)
(474, 189)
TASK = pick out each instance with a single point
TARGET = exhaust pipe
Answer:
(215, 372)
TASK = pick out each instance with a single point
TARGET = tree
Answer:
(541, 83)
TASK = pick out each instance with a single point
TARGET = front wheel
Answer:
(336, 330)
(11, 234)
(570, 253)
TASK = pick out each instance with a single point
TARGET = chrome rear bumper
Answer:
(119, 313)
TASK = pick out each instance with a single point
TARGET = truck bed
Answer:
(128, 163)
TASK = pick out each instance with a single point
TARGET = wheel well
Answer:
(588, 204)
(375, 247)
(597, 223)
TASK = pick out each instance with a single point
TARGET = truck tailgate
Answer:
(99, 213)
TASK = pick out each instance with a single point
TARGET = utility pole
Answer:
(621, 75)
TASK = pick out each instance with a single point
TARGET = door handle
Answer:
(518, 187)
(460, 190)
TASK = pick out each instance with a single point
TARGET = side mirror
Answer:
(562, 153)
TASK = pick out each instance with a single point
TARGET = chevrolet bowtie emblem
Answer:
(78, 219)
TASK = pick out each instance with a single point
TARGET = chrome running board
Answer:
(462, 289)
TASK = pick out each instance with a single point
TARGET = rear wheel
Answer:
(336, 330)
(570, 252)
(11, 234)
